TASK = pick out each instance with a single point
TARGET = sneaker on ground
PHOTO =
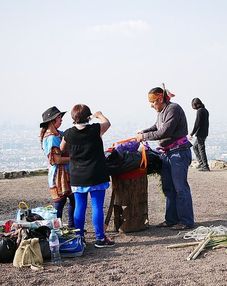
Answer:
(206, 169)
(105, 242)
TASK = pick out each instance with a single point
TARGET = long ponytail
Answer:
(41, 135)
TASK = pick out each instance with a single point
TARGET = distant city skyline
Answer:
(108, 55)
(20, 147)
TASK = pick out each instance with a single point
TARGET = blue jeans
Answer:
(59, 205)
(175, 186)
(97, 201)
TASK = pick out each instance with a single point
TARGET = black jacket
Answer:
(201, 125)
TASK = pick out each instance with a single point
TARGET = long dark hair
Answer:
(44, 130)
(197, 103)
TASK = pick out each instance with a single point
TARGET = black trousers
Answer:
(200, 152)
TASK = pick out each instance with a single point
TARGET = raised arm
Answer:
(104, 122)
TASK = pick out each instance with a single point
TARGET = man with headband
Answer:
(171, 130)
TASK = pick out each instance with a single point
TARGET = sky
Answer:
(108, 55)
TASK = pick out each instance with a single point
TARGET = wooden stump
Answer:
(130, 204)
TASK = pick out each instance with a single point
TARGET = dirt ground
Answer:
(139, 258)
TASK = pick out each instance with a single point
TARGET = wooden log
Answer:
(130, 204)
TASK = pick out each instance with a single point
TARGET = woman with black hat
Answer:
(58, 171)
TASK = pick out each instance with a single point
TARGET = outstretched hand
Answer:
(104, 122)
(139, 137)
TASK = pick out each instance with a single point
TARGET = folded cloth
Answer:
(134, 174)
(183, 141)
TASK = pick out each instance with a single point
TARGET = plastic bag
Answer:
(23, 210)
(47, 213)
(8, 248)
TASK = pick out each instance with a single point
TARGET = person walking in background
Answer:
(171, 130)
(58, 169)
(200, 130)
(88, 172)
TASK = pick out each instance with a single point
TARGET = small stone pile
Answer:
(21, 174)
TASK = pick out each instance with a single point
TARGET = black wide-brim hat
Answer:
(50, 114)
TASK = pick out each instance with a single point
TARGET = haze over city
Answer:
(108, 55)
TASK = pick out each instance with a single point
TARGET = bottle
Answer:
(54, 248)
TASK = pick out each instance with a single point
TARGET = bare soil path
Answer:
(139, 258)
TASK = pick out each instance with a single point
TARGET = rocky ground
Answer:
(139, 258)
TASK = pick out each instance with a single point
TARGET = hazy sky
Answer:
(109, 54)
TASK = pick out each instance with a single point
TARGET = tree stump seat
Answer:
(130, 203)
